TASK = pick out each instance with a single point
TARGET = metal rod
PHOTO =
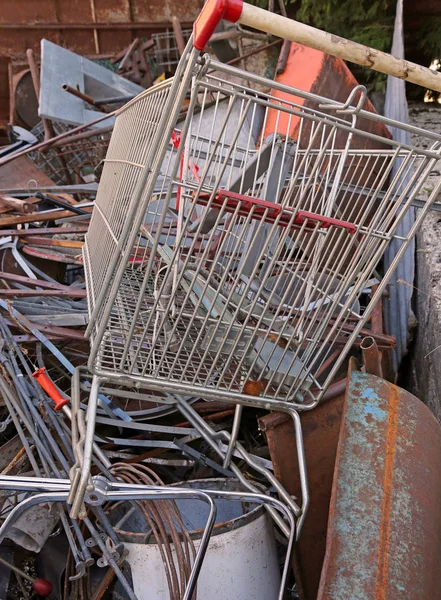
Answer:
(48, 143)
(371, 356)
(81, 95)
(178, 35)
(283, 57)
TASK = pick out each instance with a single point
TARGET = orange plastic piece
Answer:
(49, 387)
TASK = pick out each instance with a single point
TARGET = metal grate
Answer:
(166, 51)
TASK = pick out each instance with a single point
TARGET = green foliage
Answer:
(364, 21)
(368, 22)
(428, 37)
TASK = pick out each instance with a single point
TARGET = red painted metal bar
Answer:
(269, 211)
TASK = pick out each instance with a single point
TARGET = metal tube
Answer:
(81, 95)
(178, 35)
(283, 57)
(48, 143)
(234, 436)
(88, 448)
(81, 136)
(371, 356)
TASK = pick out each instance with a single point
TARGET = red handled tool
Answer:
(49, 387)
(40, 586)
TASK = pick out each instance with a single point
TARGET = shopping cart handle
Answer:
(49, 387)
(237, 11)
(212, 14)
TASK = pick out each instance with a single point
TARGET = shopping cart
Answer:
(235, 236)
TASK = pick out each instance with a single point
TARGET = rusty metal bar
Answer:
(71, 90)
(128, 53)
(14, 293)
(371, 356)
(48, 143)
(7, 203)
(283, 57)
(42, 231)
(83, 136)
(64, 333)
(180, 43)
(48, 242)
(233, 61)
(49, 215)
(41, 283)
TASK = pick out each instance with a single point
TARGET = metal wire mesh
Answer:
(73, 161)
(166, 51)
(246, 259)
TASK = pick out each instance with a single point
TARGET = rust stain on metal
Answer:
(384, 531)
(389, 463)
(321, 428)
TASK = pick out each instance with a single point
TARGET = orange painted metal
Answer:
(313, 71)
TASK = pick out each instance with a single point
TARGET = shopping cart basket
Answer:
(236, 232)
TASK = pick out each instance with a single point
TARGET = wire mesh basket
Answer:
(235, 238)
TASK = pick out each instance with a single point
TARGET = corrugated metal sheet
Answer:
(71, 23)
(398, 307)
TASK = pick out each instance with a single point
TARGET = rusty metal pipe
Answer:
(180, 42)
(377, 314)
(42, 146)
(71, 90)
(334, 390)
(139, 25)
(283, 57)
(371, 356)
(233, 61)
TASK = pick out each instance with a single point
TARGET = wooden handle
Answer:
(280, 26)
(8, 203)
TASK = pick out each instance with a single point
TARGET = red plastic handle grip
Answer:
(210, 16)
(49, 387)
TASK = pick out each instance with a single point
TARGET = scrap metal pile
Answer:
(171, 272)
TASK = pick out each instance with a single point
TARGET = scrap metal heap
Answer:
(187, 273)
